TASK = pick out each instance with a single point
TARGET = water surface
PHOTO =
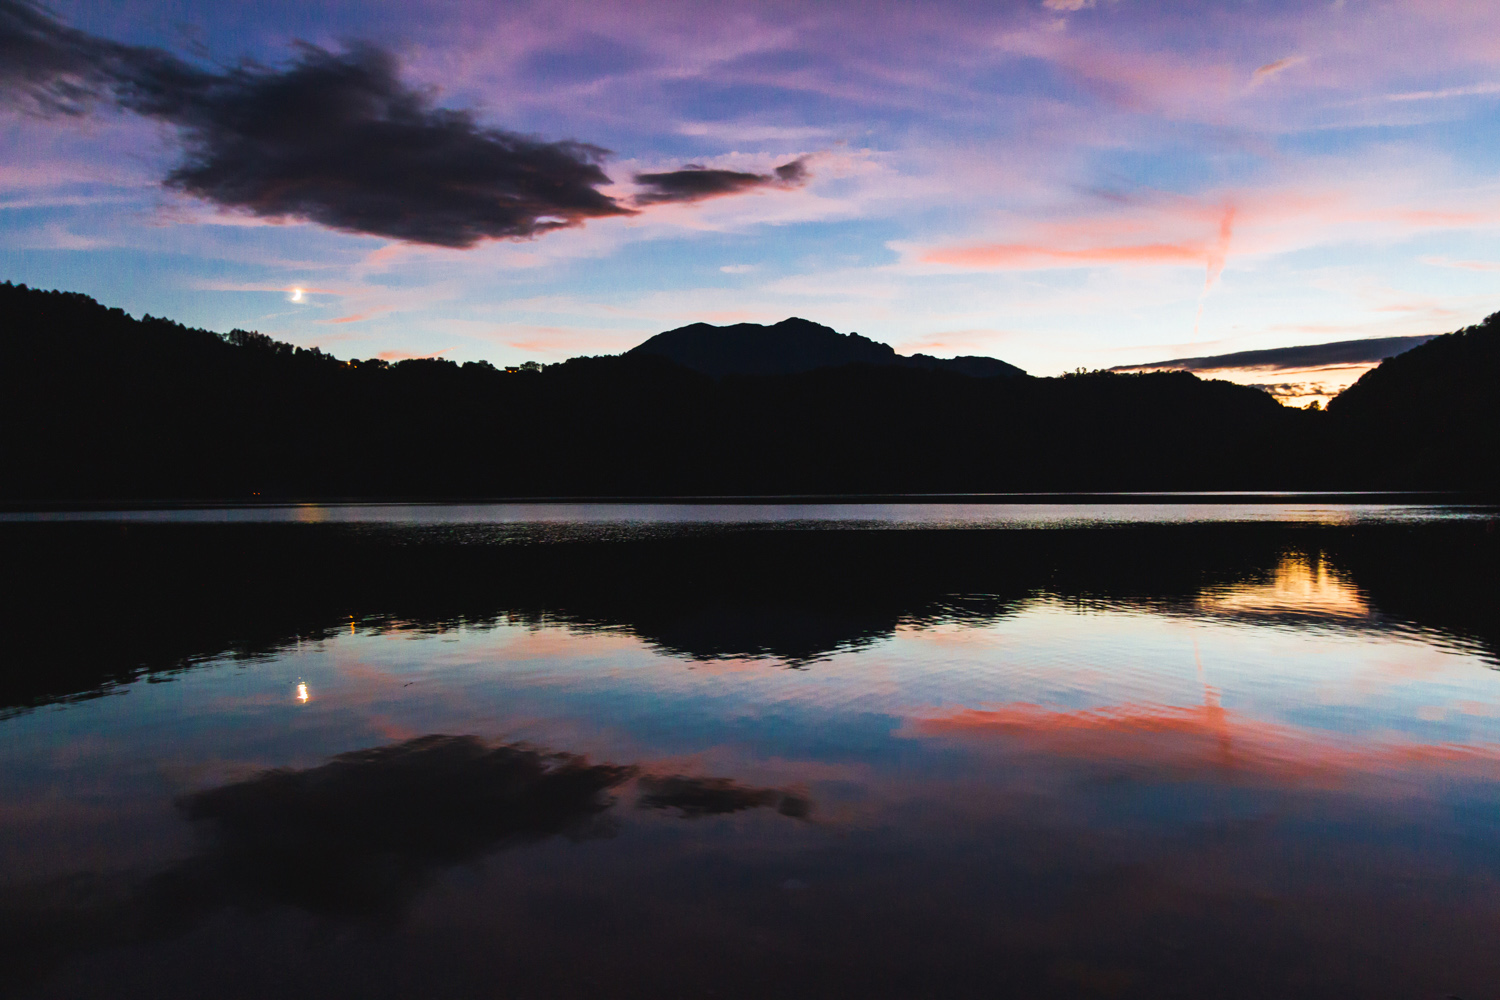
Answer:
(1160, 757)
(1008, 511)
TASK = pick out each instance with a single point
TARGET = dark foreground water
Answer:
(636, 755)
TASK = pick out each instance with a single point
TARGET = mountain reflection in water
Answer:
(147, 598)
(1187, 760)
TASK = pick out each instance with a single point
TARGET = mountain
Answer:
(794, 346)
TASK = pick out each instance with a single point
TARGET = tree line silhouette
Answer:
(98, 405)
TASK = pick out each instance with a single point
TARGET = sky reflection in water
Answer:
(1264, 787)
(1080, 512)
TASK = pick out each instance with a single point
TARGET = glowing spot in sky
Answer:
(296, 295)
(302, 694)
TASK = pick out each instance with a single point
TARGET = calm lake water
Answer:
(1080, 511)
(907, 751)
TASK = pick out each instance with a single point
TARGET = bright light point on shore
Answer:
(296, 296)
(302, 694)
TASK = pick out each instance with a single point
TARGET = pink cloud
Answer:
(1218, 256)
(562, 341)
(1161, 231)
(953, 341)
(1099, 234)
(1270, 69)
(1023, 256)
(409, 355)
(1218, 251)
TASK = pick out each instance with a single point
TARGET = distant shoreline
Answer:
(1338, 497)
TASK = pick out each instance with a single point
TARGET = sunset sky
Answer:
(1058, 183)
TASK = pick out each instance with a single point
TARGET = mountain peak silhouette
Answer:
(794, 346)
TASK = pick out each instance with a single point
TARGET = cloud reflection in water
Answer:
(359, 837)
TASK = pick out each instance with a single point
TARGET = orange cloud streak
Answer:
(1218, 253)
(1218, 256)
(408, 355)
(1270, 69)
(1023, 256)
(1163, 231)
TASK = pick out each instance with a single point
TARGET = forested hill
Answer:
(98, 405)
(1431, 414)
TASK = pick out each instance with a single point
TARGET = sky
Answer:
(1058, 183)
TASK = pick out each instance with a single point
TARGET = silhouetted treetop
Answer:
(1455, 374)
(1431, 414)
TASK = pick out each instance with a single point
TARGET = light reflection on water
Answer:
(1256, 789)
(1300, 586)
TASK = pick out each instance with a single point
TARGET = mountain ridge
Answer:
(795, 346)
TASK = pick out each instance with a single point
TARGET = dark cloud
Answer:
(1343, 352)
(695, 182)
(693, 797)
(48, 68)
(338, 139)
(793, 173)
(334, 138)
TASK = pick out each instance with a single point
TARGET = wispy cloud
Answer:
(1096, 240)
(1022, 256)
(1270, 69)
(1463, 265)
(1472, 90)
(1215, 259)
(410, 355)
(1181, 231)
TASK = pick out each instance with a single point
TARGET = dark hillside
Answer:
(101, 406)
(1430, 415)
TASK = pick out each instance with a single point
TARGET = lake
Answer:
(1100, 749)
